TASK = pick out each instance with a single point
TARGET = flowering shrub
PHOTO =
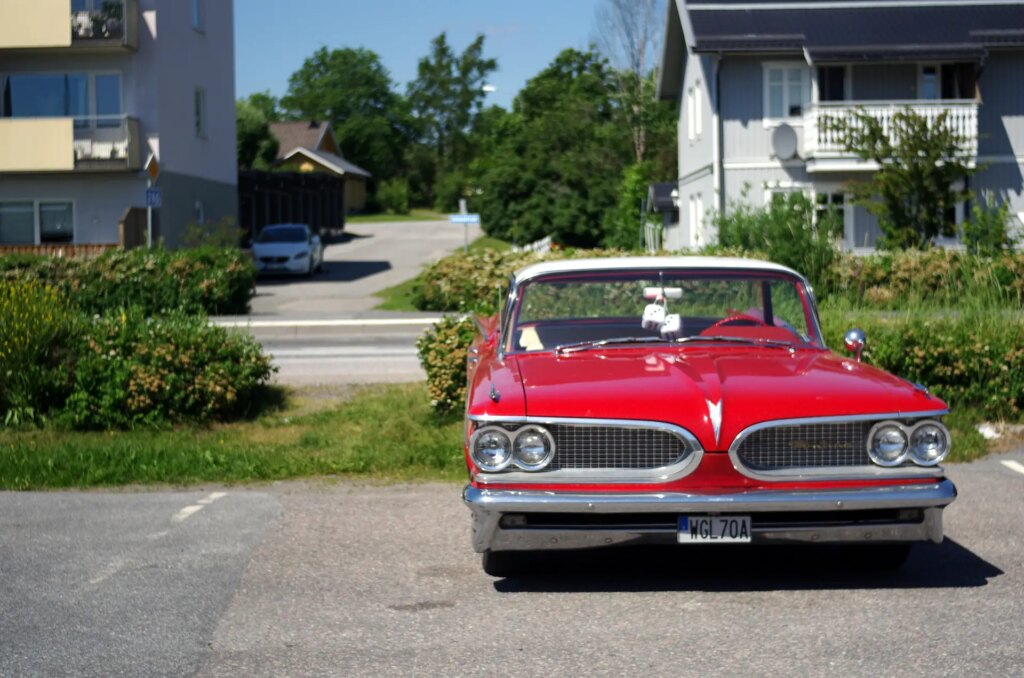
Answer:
(35, 333)
(209, 280)
(442, 350)
(132, 370)
(967, 359)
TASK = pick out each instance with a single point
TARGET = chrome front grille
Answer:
(613, 447)
(833, 444)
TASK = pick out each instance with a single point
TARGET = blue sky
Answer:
(273, 37)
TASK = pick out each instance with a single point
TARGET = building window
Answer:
(200, 112)
(786, 91)
(17, 223)
(21, 221)
(832, 83)
(697, 110)
(930, 83)
(199, 15)
(92, 99)
(691, 114)
(199, 213)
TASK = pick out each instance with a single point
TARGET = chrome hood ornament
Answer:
(715, 414)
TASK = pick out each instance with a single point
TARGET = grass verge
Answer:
(413, 215)
(386, 432)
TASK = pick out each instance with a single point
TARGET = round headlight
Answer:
(887, 445)
(534, 448)
(929, 443)
(492, 450)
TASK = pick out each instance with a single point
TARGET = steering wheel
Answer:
(738, 316)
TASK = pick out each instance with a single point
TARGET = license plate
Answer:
(714, 529)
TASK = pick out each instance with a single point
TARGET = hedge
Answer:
(120, 369)
(209, 280)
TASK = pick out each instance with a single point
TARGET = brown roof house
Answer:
(311, 147)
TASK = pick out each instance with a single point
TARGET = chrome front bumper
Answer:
(502, 518)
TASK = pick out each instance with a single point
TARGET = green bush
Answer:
(968, 359)
(788, 231)
(393, 196)
(36, 331)
(204, 280)
(442, 350)
(988, 232)
(133, 371)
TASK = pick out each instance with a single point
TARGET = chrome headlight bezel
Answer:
(550, 447)
(947, 439)
(474, 449)
(884, 427)
(907, 432)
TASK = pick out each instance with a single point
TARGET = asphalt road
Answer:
(334, 578)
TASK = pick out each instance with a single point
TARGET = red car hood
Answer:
(686, 385)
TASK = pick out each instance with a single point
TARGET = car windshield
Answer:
(623, 308)
(283, 234)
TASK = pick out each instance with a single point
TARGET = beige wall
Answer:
(37, 144)
(35, 23)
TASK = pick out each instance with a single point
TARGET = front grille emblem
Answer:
(715, 413)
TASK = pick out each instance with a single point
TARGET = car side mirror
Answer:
(855, 341)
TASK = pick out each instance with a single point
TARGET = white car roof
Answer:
(634, 263)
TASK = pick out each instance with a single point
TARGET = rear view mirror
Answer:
(652, 293)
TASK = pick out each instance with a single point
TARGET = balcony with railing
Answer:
(89, 144)
(59, 25)
(825, 122)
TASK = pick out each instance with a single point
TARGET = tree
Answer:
(267, 105)
(627, 34)
(352, 90)
(915, 190)
(622, 224)
(556, 160)
(445, 99)
(257, 147)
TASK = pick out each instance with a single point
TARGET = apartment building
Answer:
(90, 90)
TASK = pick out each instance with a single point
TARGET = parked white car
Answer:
(288, 248)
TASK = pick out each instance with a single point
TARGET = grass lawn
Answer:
(413, 215)
(385, 432)
(401, 297)
(378, 432)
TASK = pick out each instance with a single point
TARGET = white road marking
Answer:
(109, 571)
(184, 513)
(1014, 465)
(343, 322)
(343, 352)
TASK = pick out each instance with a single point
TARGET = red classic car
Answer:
(689, 400)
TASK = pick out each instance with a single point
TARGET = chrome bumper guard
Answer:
(488, 507)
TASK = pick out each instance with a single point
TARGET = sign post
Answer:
(153, 197)
(465, 220)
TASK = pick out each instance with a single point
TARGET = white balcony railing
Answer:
(824, 122)
(107, 142)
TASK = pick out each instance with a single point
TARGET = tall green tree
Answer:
(445, 99)
(556, 164)
(257, 147)
(351, 89)
(922, 167)
(267, 104)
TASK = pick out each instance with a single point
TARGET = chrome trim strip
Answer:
(868, 472)
(658, 475)
(488, 505)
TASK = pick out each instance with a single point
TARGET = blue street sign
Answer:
(464, 218)
(153, 197)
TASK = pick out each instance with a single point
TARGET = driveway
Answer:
(334, 578)
(367, 259)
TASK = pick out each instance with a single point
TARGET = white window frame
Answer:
(199, 16)
(36, 220)
(691, 114)
(200, 105)
(698, 104)
(848, 209)
(805, 81)
(773, 188)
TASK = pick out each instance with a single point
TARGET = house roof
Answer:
(292, 135)
(841, 31)
(333, 162)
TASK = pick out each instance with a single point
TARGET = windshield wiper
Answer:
(740, 340)
(586, 345)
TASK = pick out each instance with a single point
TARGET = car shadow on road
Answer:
(738, 568)
(333, 271)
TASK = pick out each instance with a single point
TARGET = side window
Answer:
(200, 112)
(786, 91)
(199, 15)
